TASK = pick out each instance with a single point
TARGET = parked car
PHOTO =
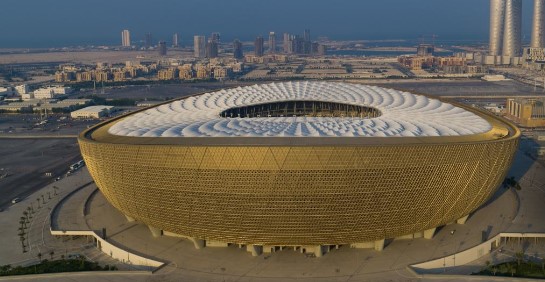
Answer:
(15, 201)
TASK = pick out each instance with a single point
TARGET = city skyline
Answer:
(353, 20)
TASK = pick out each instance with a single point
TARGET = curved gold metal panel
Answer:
(298, 195)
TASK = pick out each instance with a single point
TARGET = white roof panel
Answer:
(403, 114)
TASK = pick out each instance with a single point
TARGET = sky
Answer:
(55, 23)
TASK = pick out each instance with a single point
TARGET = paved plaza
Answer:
(87, 209)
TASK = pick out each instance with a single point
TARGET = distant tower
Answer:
(175, 40)
(512, 37)
(306, 35)
(286, 43)
(211, 49)
(258, 46)
(272, 42)
(322, 50)
(149, 40)
(162, 48)
(237, 49)
(199, 45)
(538, 27)
(497, 20)
(216, 37)
(126, 38)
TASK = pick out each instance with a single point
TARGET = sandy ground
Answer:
(87, 57)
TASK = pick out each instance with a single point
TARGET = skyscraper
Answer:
(258, 46)
(512, 37)
(237, 49)
(175, 40)
(497, 20)
(216, 37)
(538, 27)
(149, 40)
(199, 45)
(162, 48)
(211, 49)
(286, 43)
(298, 44)
(306, 35)
(126, 38)
(322, 50)
(272, 42)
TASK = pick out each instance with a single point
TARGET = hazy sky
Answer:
(48, 23)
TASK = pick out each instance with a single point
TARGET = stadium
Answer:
(300, 164)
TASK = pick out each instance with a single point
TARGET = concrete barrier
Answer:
(443, 264)
(112, 250)
(103, 245)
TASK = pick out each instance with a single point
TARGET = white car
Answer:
(15, 201)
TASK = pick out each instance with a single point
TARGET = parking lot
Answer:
(27, 165)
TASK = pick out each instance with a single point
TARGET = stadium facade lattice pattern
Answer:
(291, 191)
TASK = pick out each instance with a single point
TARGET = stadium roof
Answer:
(402, 114)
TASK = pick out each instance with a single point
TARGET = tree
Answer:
(30, 211)
(21, 231)
(39, 255)
(38, 200)
(519, 256)
(511, 269)
(51, 254)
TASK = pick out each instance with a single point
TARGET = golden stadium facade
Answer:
(300, 163)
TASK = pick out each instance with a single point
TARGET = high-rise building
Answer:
(175, 40)
(538, 26)
(215, 36)
(424, 50)
(237, 49)
(497, 20)
(322, 50)
(199, 45)
(211, 49)
(286, 43)
(258, 46)
(272, 42)
(126, 38)
(512, 37)
(162, 48)
(148, 40)
(298, 44)
(306, 35)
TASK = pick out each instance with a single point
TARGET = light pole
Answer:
(455, 247)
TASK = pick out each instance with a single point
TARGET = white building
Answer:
(51, 92)
(92, 112)
(28, 96)
(22, 89)
(125, 38)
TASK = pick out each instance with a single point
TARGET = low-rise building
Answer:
(167, 74)
(93, 112)
(526, 112)
(15, 108)
(222, 72)
(22, 89)
(51, 92)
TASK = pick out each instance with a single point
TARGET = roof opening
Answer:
(301, 109)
